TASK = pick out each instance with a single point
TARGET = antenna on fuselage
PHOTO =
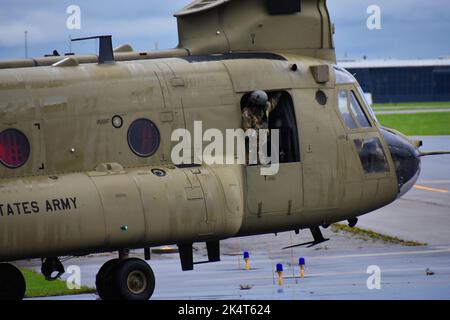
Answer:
(105, 50)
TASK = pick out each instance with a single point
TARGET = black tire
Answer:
(134, 280)
(104, 280)
(12, 283)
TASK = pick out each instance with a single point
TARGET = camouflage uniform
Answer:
(272, 104)
(256, 118)
(252, 118)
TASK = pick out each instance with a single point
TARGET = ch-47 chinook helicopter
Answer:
(85, 144)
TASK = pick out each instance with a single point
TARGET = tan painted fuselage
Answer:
(83, 190)
(82, 185)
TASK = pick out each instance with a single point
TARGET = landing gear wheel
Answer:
(12, 283)
(105, 280)
(134, 280)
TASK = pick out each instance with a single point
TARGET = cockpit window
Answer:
(368, 106)
(345, 112)
(351, 111)
(358, 112)
(373, 158)
(343, 76)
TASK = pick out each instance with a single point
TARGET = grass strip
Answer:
(37, 286)
(372, 235)
(419, 124)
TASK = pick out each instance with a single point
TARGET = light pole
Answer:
(26, 44)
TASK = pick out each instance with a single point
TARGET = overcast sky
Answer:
(410, 28)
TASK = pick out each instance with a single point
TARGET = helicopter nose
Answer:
(406, 158)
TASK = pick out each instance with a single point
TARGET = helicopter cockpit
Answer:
(405, 155)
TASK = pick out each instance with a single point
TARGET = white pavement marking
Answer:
(412, 111)
(383, 254)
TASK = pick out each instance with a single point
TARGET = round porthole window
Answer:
(321, 97)
(143, 138)
(14, 148)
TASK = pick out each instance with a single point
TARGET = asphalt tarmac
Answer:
(333, 271)
(337, 269)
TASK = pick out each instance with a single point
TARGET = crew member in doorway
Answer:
(256, 114)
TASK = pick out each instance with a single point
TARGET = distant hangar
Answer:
(397, 81)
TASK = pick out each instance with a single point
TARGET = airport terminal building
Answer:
(397, 81)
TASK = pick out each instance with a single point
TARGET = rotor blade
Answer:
(434, 153)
